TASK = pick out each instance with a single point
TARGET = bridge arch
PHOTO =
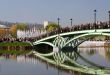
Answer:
(48, 43)
(86, 34)
(73, 33)
(44, 48)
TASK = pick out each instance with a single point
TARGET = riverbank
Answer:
(14, 44)
(15, 48)
(14, 52)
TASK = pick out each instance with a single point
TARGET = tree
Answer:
(22, 26)
(13, 30)
(52, 26)
(2, 32)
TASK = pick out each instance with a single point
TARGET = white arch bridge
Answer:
(71, 39)
(65, 46)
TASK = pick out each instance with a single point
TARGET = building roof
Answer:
(3, 26)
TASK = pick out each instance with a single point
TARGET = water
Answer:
(22, 65)
(99, 56)
(29, 65)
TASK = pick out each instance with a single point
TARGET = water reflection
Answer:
(29, 65)
(15, 47)
(99, 55)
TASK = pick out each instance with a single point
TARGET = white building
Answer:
(33, 32)
(46, 23)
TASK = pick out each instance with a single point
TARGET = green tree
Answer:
(22, 26)
(52, 26)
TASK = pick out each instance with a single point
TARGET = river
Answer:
(30, 65)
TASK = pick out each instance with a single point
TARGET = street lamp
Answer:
(109, 17)
(71, 23)
(58, 20)
(95, 18)
(58, 24)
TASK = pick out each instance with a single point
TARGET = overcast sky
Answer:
(37, 11)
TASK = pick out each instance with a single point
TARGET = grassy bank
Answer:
(14, 44)
(5, 45)
(14, 52)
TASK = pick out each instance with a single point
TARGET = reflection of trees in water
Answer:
(15, 47)
(107, 53)
(91, 51)
(88, 51)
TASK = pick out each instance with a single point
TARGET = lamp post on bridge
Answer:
(71, 23)
(58, 34)
(109, 17)
(95, 11)
(58, 25)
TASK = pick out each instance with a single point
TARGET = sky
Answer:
(38, 11)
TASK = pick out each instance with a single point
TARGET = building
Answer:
(32, 32)
(47, 23)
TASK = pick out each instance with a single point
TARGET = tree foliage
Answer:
(52, 26)
(2, 31)
(13, 30)
(22, 26)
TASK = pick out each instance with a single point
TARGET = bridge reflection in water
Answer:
(26, 65)
(82, 60)
(98, 55)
